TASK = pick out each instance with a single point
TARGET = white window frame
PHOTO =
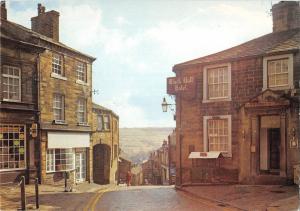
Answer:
(290, 71)
(206, 98)
(81, 71)
(24, 147)
(81, 110)
(12, 77)
(205, 133)
(62, 109)
(56, 58)
(53, 169)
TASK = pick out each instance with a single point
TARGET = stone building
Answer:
(151, 168)
(124, 167)
(19, 149)
(62, 86)
(105, 145)
(172, 157)
(163, 154)
(237, 111)
(137, 175)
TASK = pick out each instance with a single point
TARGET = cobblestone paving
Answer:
(151, 198)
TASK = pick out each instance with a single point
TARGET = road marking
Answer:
(93, 201)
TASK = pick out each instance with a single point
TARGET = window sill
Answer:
(13, 101)
(54, 75)
(59, 122)
(216, 100)
(84, 124)
(12, 169)
(278, 88)
(51, 172)
(81, 83)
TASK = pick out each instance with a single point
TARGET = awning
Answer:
(68, 140)
(204, 155)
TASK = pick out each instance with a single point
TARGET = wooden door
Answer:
(101, 163)
(274, 146)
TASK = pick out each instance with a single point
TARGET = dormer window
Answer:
(278, 72)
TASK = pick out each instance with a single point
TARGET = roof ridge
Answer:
(47, 39)
(281, 37)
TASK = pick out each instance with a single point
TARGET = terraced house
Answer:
(58, 99)
(237, 111)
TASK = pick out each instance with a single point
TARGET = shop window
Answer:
(60, 160)
(12, 147)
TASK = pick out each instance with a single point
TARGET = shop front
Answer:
(67, 152)
(17, 156)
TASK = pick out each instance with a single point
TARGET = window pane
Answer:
(217, 82)
(278, 73)
(217, 135)
(12, 153)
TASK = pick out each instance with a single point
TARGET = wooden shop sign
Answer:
(185, 84)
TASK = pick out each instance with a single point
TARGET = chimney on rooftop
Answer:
(286, 15)
(3, 11)
(46, 23)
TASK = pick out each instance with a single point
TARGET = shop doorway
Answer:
(80, 166)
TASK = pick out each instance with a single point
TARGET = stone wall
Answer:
(108, 137)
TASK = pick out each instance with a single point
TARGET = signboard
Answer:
(204, 155)
(185, 84)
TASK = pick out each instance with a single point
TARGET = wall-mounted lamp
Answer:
(165, 105)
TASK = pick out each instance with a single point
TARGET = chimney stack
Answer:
(286, 15)
(46, 23)
(3, 11)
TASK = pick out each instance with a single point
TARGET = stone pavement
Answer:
(51, 196)
(248, 197)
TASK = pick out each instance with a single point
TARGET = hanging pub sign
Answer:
(185, 84)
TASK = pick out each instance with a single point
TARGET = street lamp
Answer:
(165, 105)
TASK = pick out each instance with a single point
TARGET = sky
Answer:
(137, 42)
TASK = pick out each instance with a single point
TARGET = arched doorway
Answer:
(101, 163)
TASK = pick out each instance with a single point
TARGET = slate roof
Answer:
(18, 32)
(270, 43)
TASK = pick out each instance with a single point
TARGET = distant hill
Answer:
(136, 143)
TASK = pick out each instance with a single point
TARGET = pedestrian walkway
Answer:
(51, 196)
(248, 197)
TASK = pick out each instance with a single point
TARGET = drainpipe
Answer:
(39, 115)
